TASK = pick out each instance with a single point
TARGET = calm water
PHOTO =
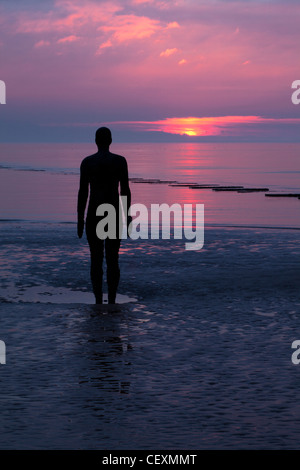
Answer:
(198, 353)
(40, 181)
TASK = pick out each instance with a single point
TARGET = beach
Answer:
(195, 355)
(197, 352)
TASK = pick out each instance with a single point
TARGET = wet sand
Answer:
(196, 356)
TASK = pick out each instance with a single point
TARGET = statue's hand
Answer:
(80, 227)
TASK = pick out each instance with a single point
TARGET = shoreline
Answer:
(232, 260)
(206, 226)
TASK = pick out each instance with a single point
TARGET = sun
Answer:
(190, 132)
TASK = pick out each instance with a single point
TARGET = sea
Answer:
(40, 181)
(200, 351)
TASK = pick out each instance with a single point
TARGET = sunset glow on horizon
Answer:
(194, 126)
(186, 68)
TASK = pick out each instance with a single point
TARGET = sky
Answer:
(151, 70)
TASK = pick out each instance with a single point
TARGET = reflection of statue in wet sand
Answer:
(101, 174)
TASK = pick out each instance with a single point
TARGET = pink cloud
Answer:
(168, 52)
(130, 27)
(71, 38)
(195, 126)
(42, 43)
(173, 25)
(140, 2)
(81, 18)
(204, 126)
(104, 45)
(67, 15)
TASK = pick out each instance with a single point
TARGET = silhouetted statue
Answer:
(102, 173)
